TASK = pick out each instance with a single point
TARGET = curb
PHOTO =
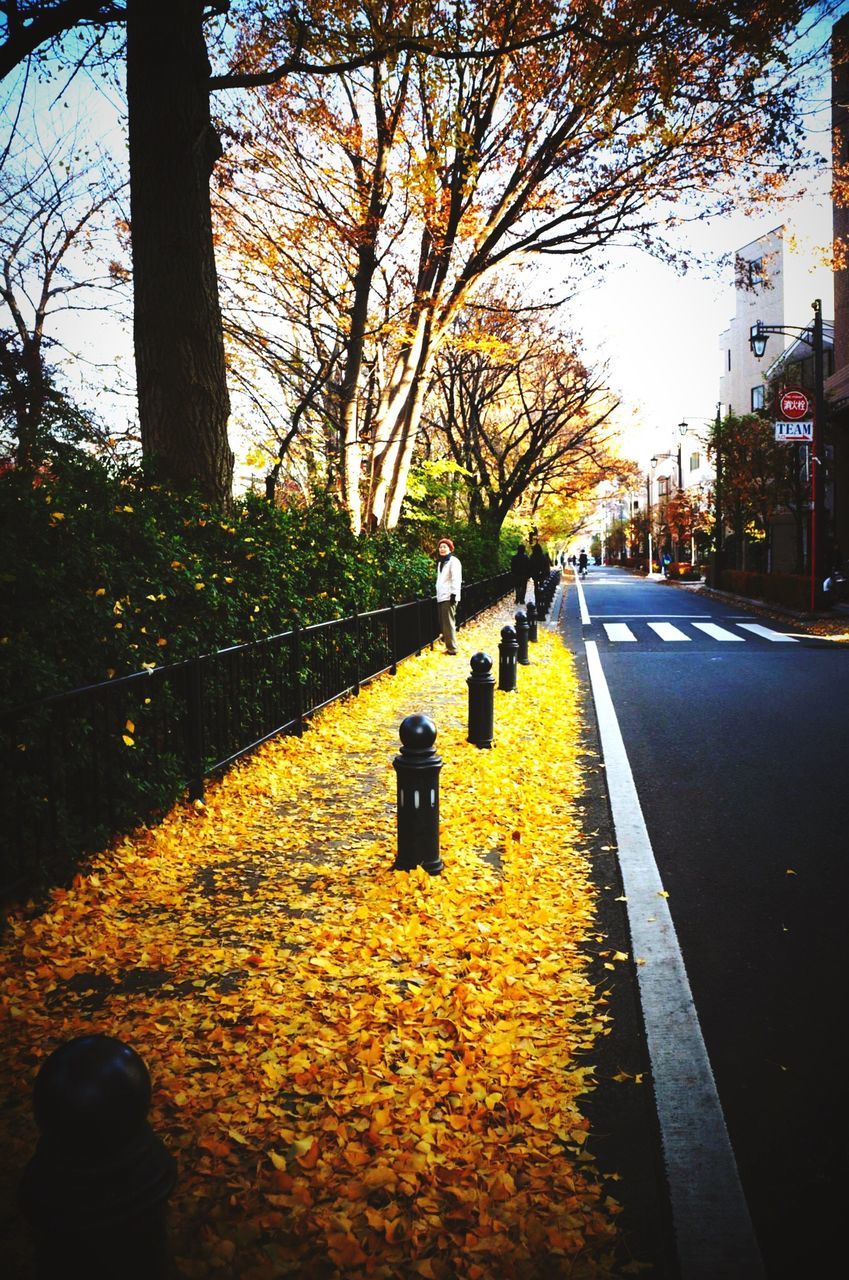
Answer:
(731, 598)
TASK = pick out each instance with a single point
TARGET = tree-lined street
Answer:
(736, 738)
(298, 374)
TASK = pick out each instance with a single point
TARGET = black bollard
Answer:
(481, 685)
(96, 1190)
(522, 638)
(532, 622)
(507, 650)
(417, 767)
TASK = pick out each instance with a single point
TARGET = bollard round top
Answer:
(417, 732)
(508, 633)
(481, 664)
(92, 1092)
(521, 619)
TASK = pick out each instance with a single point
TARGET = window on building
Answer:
(729, 359)
(758, 398)
(663, 487)
(695, 461)
(750, 274)
(755, 272)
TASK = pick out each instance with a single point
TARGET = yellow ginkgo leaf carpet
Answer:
(361, 1072)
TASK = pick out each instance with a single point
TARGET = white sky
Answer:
(657, 331)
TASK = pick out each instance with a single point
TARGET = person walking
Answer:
(520, 567)
(540, 566)
(449, 583)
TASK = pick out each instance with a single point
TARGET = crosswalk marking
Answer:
(667, 631)
(618, 631)
(719, 633)
(767, 634)
(621, 632)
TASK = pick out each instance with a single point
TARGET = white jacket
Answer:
(449, 579)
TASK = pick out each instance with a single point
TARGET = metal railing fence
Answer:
(81, 767)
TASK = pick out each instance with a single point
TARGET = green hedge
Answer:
(107, 574)
(104, 574)
(793, 591)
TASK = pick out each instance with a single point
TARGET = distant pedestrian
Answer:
(449, 583)
(520, 567)
(834, 585)
(540, 569)
(582, 563)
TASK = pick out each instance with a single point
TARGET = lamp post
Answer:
(812, 336)
(718, 549)
(648, 520)
(682, 431)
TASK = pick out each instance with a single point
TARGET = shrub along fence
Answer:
(788, 589)
(81, 767)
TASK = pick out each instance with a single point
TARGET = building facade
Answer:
(776, 280)
(837, 385)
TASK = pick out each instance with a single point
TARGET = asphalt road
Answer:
(738, 744)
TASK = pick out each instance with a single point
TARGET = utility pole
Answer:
(818, 463)
(717, 555)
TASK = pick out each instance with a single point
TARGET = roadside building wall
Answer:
(837, 386)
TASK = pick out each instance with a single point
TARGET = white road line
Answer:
(757, 630)
(582, 603)
(719, 633)
(713, 1231)
(681, 617)
(618, 631)
(666, 631)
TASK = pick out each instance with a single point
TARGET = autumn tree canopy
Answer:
(431, 173)
(760, 478)
(474, 134)
(518, 413)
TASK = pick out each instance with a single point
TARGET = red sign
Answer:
(795, 404)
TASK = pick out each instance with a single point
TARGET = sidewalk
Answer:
(364, 1072)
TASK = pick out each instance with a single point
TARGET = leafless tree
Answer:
(519, 413)
(59, 206)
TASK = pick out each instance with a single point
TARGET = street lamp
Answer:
(811, 335)
(648, 522)
(683, 428)
(717, 505)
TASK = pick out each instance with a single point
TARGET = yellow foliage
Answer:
(374, 1071)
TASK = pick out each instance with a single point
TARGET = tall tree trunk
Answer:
(351, 461)
(25, 379)
(490, 525)
(403, 461)
(179, 342)
(391, 419)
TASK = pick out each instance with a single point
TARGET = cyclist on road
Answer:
(582, 563)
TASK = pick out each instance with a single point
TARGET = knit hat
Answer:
(449, 544)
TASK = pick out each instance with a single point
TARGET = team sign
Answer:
(795, 432)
